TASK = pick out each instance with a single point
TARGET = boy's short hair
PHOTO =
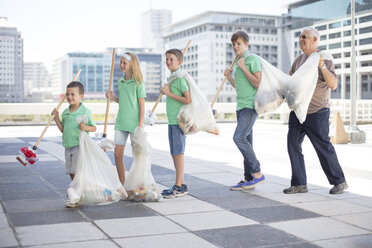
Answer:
(76, 84)
(175, 52)
(240, 34)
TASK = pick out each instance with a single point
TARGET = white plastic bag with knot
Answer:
(140, 183)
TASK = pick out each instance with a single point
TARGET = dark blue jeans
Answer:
(243, 138)
(316, 127)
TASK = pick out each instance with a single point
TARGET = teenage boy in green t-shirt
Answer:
(245, 78)
(178, 94)
(70, 127)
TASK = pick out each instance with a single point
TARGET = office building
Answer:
(153, 22)
(36, 82)
(210, 52)
(11, 62)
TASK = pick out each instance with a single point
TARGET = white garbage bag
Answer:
(140, 184)
(196, 116)
(297, 89)
(96, 179)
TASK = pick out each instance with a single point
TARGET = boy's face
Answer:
(73, 96)
(124, 65)
(172, 62)
(240, 47)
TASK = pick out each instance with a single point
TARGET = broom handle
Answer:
(223, 82)
(110, 88)
(52, 117)
(161, 94)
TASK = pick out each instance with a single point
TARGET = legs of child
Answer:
(179, 164)
(119, 162)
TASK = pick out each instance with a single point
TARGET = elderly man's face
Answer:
(307, 43)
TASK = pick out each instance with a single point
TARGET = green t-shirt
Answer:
(245, 92)
(71, 128)
(177, 87)
(128, 114)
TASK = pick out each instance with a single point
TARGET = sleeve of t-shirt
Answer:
(254, 64)
(91, 122)
(182, 85)
(141, 92)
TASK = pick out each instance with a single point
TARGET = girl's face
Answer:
(73, 96)
(125, 65)
(240, 47)
(172, 62)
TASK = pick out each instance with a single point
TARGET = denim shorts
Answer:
(177, 140)
(121, 137)
(71, 154)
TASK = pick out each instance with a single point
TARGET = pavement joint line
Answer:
(10, 224)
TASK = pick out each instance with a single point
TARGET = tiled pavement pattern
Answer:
(32, 212)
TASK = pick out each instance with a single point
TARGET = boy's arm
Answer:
(254, 78)
(84, 127)
(57, 120)
(141, 104)
(185, 99)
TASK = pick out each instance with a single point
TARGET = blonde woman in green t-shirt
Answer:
(131, 106)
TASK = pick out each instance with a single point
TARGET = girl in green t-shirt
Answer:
(131, 106)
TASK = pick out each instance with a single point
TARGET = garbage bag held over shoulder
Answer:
(96, 179)
(140, 183)
(196, 116)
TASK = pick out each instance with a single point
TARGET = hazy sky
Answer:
(51, 28)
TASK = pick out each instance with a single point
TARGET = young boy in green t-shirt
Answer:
(245, 78)
(178, 94)
(70, 127)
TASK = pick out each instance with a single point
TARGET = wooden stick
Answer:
(223, 82)
(110, 88)
(52, 117)
(161, 94)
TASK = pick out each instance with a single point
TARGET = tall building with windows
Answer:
(36, 82)
(153, 22)
(210, 52)
(11, 62)
(332, 19)
(95, 71)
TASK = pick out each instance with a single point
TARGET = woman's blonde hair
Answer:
(136, 69)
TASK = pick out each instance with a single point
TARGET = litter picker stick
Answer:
(52, 117)
(161, 94)
(223, 82)
(110, 88)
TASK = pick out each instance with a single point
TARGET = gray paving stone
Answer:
(28, 205)
(275, 213)
(363, 220)
(296, 245)
(140, 226)
(247, 236)
(28, 193)
(81, 244)
(3, 221)
(20, 179)
(181, 240)
(58, 233)
(363, 241)
(16, 170)
(45, 217)
(242, 201)
(17, 187)
(7, 238)
(218, 191)
(121, 209)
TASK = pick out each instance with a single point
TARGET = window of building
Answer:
(365, 30)
(323, 47)
(347, 23)
(334, 25)
(323, 37)
(334, 35)
(347, 44)
(335, 45)
(297, 34)
(336, 55)
(364, 87)
(365, 19)
(347, 54)
(320, 28)
(347, 33)
(365, 41)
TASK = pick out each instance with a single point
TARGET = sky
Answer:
(52, 28)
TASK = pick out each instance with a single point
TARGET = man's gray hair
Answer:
(313, 33)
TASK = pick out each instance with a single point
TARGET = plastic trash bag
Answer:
(196, 116)
(96, 179)
(297, 89)
(140, 184)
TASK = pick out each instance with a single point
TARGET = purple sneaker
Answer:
(253, 183)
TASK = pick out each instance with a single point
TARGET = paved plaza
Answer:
(32, 211)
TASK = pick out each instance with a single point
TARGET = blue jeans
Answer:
(243, 138)
(316, 127)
